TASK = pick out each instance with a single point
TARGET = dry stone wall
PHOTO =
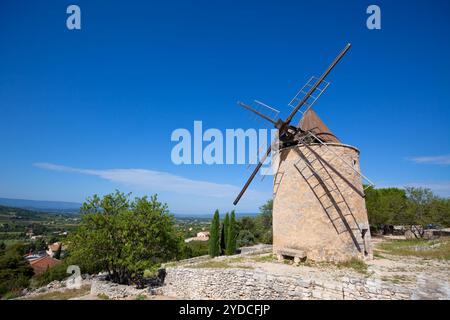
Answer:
(114, 290)
(200, 283)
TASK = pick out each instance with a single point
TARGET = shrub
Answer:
(245, 238)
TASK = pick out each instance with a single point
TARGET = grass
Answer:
(264, 258)
(221, 264)
(170, 264)
(103, 296)
(141, 297)
(397, 279)
(62, 295)
(377, 254)
(215, 264)
(428, 249)
(236, 259)
(355, 264)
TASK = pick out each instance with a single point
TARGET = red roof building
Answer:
(43, 264)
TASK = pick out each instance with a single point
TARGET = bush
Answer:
(257, 229)
(194, 249)
(245, 238)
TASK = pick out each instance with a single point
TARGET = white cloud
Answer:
(157, 181)
(443, 160)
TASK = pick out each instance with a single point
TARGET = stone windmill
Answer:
(319, 210)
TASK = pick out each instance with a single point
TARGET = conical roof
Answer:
(311, 122)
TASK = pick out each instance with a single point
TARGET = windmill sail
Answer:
(284, 126)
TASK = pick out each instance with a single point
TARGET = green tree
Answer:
(440, 211)
(15, 271)
(53, 239)
(194, 249)
(224, 233)
(264, 223)
(38, 228)
(385, 205)
(124, 237)
(57, 254)
(231, 235)
(246, 223)
(419, 210)
(40, 245)
(214, 239)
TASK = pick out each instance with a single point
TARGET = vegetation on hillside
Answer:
(258, 229)
(194, 249)
(19, 225)
(15, 271)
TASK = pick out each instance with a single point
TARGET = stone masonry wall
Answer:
(199, 283)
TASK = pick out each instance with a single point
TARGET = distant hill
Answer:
(43, 206)
(20, 214)
(189, 216)
(74, 207)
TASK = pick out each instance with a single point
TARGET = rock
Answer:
(155, 291)
(54, 285)
(114, 290)
(42, 290)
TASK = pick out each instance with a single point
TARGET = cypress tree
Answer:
(222, 240)
(231, 235)
(224, 235)
(214, 240)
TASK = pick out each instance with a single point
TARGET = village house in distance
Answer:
(201, 236)
(44, 260)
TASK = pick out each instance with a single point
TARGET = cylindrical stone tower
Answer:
(319, 211)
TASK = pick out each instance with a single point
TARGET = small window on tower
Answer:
(354, 162)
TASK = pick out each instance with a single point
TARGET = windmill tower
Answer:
(319, 210)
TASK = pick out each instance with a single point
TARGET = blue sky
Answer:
(91, 110)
